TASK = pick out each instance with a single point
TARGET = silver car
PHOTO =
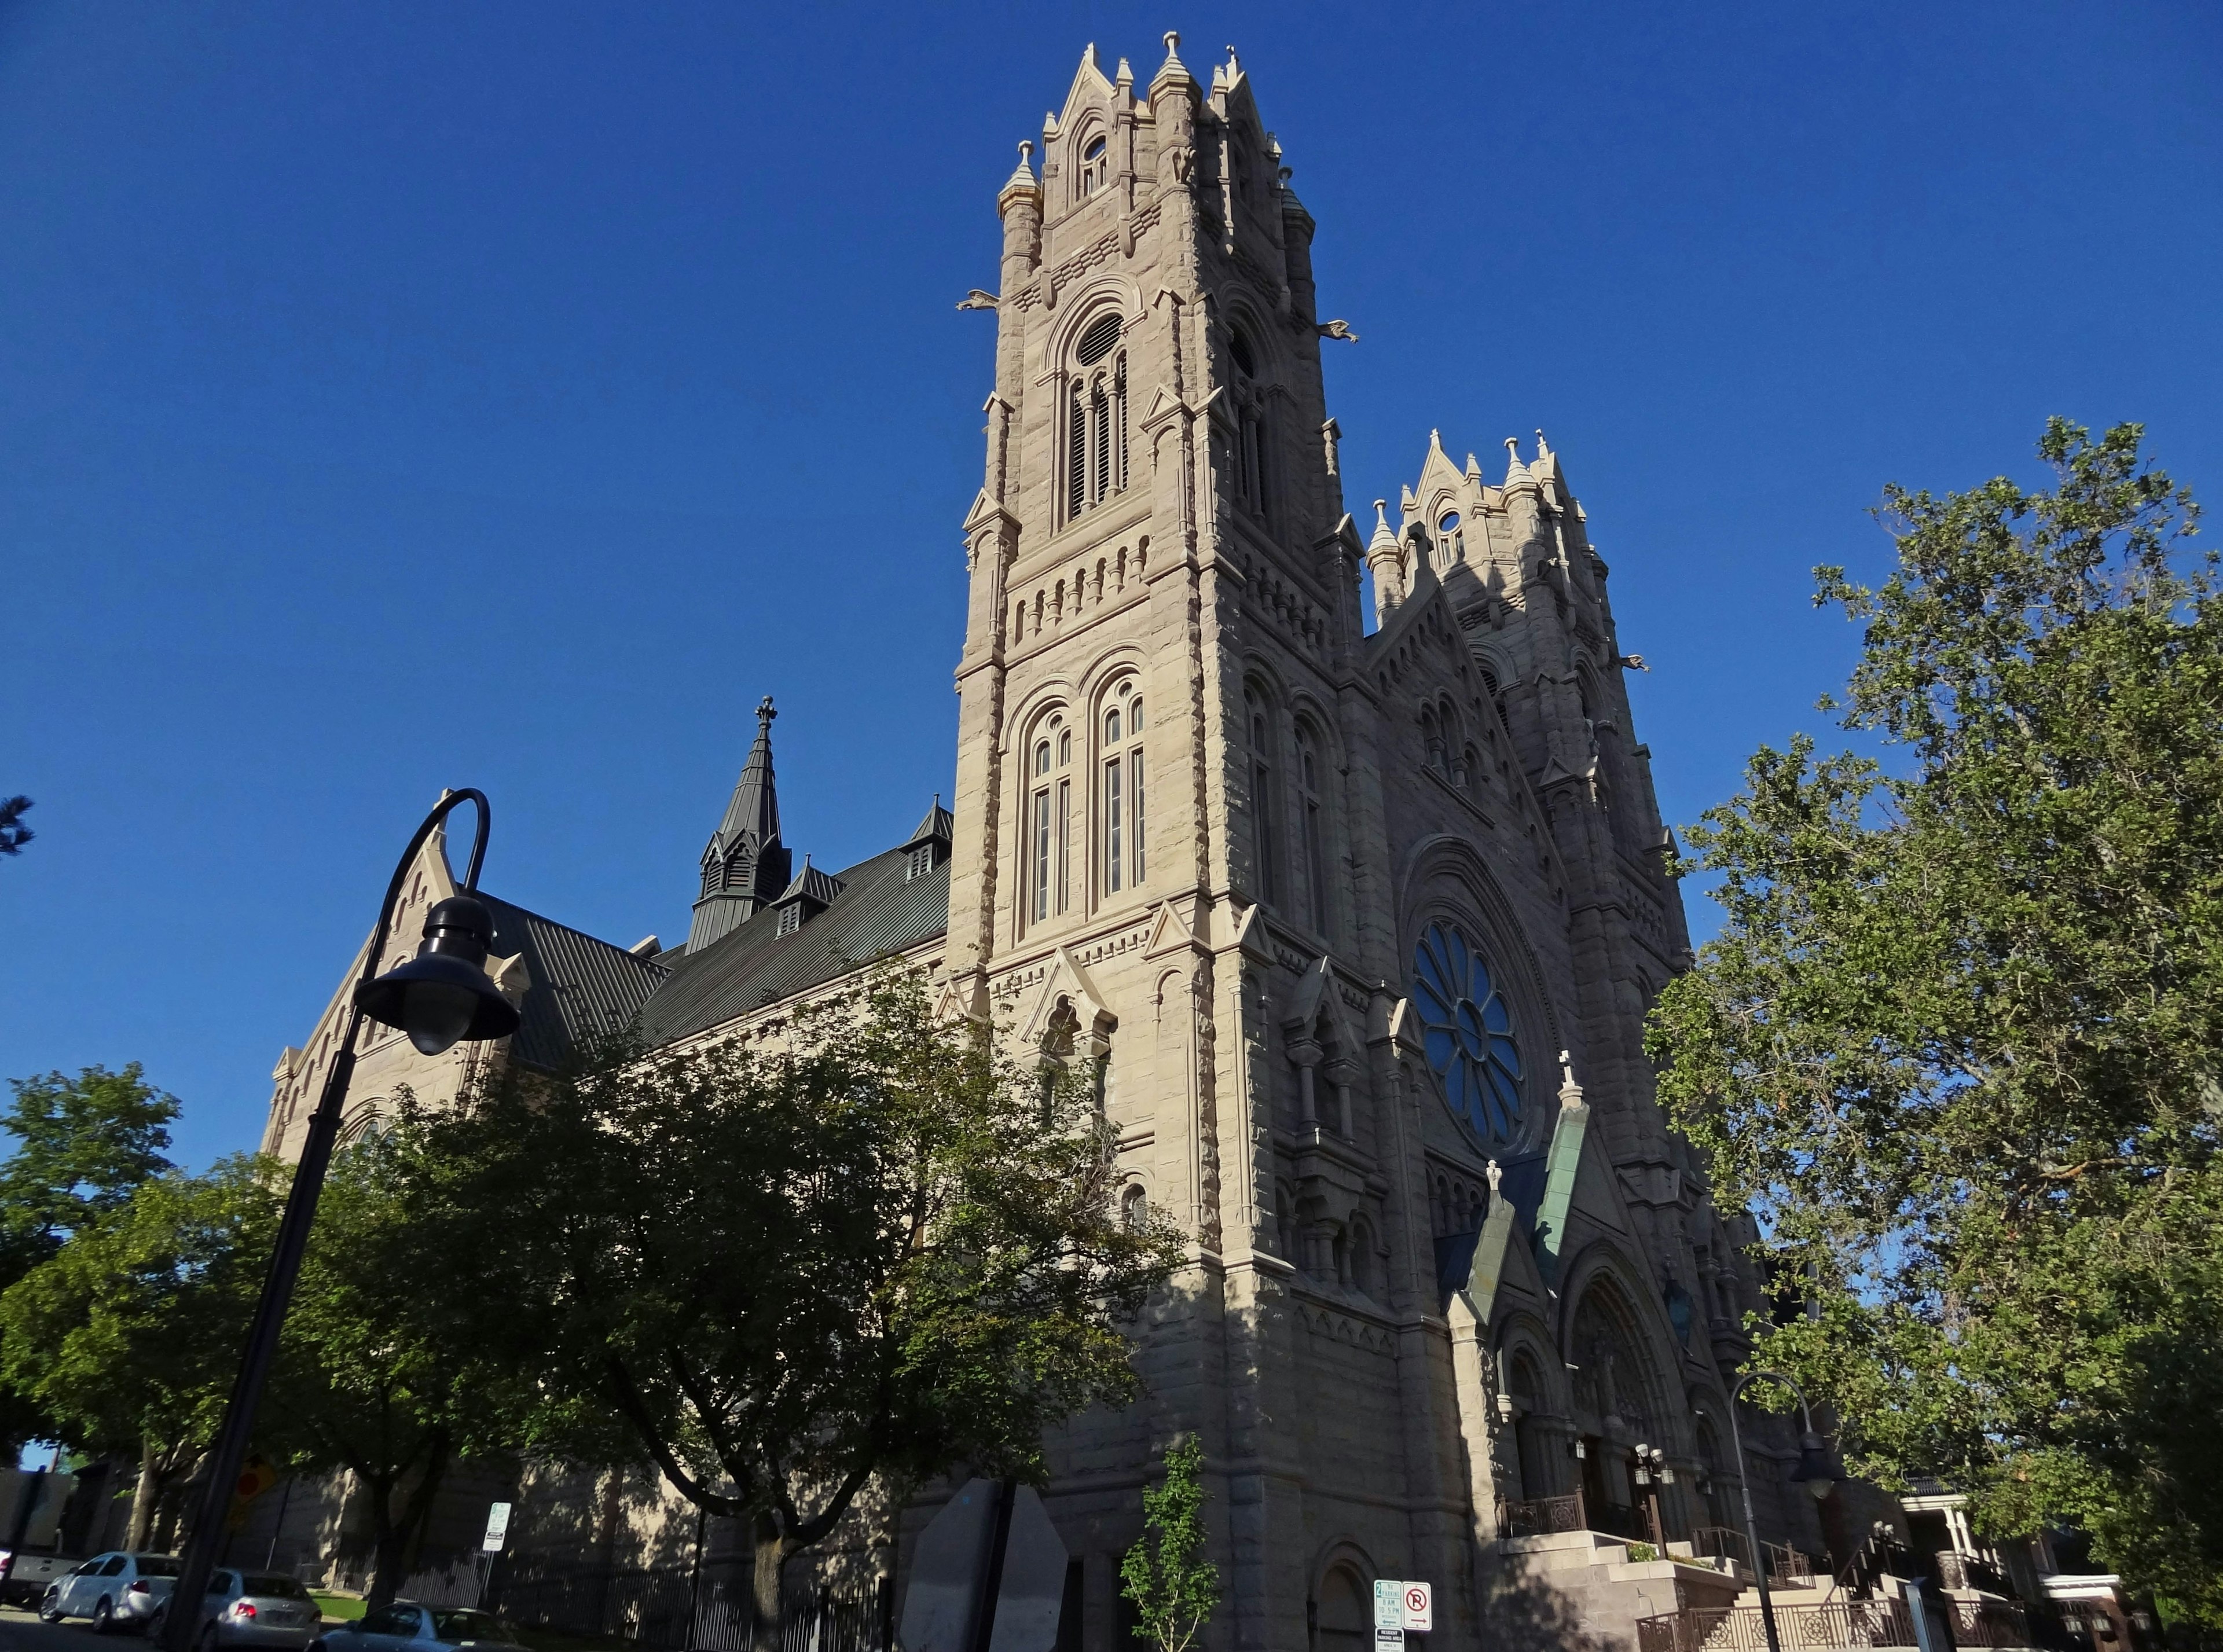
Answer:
(118, 1588)
(253, 1609)
(405, 1626)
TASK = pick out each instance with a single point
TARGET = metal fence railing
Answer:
(681, 1607)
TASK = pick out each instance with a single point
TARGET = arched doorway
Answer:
(1526, 1383)
(1345, 1622)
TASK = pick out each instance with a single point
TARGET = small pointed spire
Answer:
(1172, 68)
(1126, 75)
(745, 863)
(1516, 474)
(1022, 180)
(1383, 534)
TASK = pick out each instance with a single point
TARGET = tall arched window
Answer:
(1122, 797)
(1096, 418)
(1095, 166)
(1251, 441)
(1262, 792)
(1312, 801)
(1050, 827)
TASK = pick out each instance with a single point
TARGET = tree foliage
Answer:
(859, 1246)
(14, 834)
(82, 1146)
(385, 1367)
(1958, 1041)
(1173, 1588)
(129, 1337)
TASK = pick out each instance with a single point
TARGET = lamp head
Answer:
(1814, 1467)
(442, 995)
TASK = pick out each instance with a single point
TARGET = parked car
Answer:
(405, 1626)
(252, 1609)
(30, 1575)
(118, 1588)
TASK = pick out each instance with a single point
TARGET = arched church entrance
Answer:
(1345, 1623)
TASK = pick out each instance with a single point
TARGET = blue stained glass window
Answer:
(1467, 1031)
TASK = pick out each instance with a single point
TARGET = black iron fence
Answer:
(1884, 1620)
(682, 1607)
(1538, 1517)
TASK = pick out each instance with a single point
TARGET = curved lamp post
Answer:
(440, 997)
(1813, 1468)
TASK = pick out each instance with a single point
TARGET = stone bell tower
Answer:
(1158, 836)
(1161, 474)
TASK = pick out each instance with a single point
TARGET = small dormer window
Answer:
(791, 918)
(1095, 166)
(920, 864)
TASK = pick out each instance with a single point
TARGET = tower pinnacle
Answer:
(744, 865)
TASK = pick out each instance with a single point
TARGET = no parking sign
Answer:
(1402, 1608)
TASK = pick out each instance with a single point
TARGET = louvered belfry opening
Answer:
(1096, 418)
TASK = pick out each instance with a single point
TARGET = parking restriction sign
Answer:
(1420, 1610)
(1389, 1606)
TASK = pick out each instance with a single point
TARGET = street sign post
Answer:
(1401, 1608)
(497, 1533)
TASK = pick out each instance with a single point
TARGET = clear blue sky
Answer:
(509, 395)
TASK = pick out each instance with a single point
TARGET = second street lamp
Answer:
(1813, 1469)
(440, 998)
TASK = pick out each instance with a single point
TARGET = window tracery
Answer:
(1468, 1032)
(1096, 417)
(1313, 807)
(1049, 829)
(1095, 166)
(1122, 793)
(1262, 794)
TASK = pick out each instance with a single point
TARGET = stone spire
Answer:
(1385, 559)
(745, 866)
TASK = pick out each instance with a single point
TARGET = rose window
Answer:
(1467, 1028)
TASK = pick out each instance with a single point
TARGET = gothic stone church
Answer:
(1362, 911)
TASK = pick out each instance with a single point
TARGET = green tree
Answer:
(82, 1146)
(1174, 1589)
(1957, 1042)
(858, 1247)
(129, 1337)
(384, 1369)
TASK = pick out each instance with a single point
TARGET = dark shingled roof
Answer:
(879, 910)
(578, 987)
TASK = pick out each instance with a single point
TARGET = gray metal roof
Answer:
(579, 988)
(879, 910)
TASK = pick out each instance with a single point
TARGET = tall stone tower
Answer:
(1342, 914)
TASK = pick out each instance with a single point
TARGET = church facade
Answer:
(1360, 911)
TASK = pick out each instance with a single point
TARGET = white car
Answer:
(118, 1588)
(405, 1626)
(253, 1609)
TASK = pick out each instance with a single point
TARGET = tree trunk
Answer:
(141, 1531)
(393, 1562)
(386, 1540)
(770, 1556)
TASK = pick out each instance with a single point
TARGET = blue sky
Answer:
(509, 395)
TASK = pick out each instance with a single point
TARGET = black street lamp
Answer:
(1813, 1469)
(440, 998)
